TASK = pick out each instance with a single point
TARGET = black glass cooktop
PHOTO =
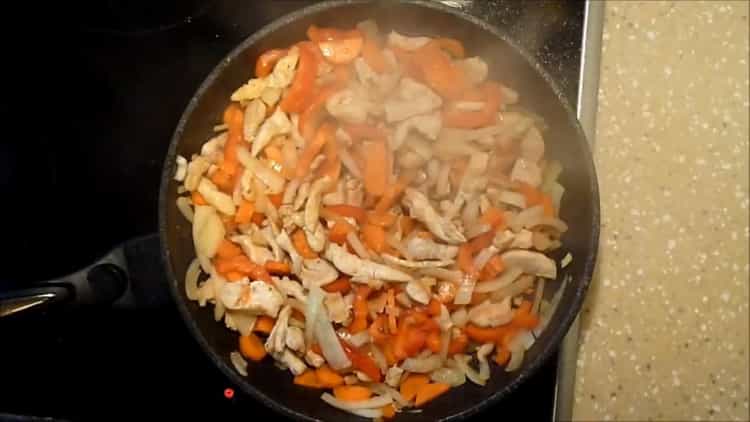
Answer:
(90, 105)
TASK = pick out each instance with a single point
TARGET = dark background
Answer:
(92, 92)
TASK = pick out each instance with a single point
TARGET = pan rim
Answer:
(556, 331)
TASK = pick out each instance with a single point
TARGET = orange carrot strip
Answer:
(352, 393)
(376, 178)
(244, 213)
(328, 378)
(492, 269)
(392, 193)
(264, 324)
(482, 335)
(494, 217)
(374, 237)
(299, 93)
(523, 317)
(300, 243)
(357, 213)
(265, 63)
(312, 149)
(388, 411)
(276, 267)
(373, 56)
(502, 356)
(452, 46)
(338, 232)
(252, 347)
(433, 341)
(308, 379)
(391, 311)
(341, 51)
(458, 344)
(342, 284)
(228, 249)
(429, 392)
(412, 384)
(197, 198)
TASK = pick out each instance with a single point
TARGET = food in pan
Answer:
(375, 215)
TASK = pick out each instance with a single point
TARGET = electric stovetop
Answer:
(92, 106)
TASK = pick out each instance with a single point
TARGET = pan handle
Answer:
(110, 281)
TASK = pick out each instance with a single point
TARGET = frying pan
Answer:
(508, 63)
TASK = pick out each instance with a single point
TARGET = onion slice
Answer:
(312, 310)
(239, 363)
(329, 343)
(191, 279)
(373, 403)
(423, 365)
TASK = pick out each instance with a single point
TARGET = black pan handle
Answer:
(116, 279)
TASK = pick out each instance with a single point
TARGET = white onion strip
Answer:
(506, 279)
(373, 403)
(191, 279)
(357, 245)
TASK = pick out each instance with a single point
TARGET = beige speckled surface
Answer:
(665, 328)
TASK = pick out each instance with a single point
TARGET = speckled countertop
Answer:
(665, 328)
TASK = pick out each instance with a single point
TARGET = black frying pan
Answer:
(107, 280)
(565, 142)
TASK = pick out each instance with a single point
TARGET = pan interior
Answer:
(564, 142)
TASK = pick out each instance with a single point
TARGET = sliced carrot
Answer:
(197, 198)
(361, 310)
(458, 344)
(341, 51)
(265, 63)
(308, 379)
(317, 34)
(481, 334)
(331, 168)
(433, 341)
(440, 72)
(492, 269)
(338, 232)
(409, 342)
(272, 152)
(242, 264)
(342, 284)
(407, 224)
(374, 237)
(376, 178)
(477, 298)
(434, 308)
(312, 149)
(300, 243)
(451, 46)
(363, 363)
(378, 330)
(276, 267)
(387, 350)
(373, 55)
(252, 347)
(391, 310)
(234, 276)
(328, 378)
(428, 392)
(357, 213)
(258, 218)
(276, 199)
(481, 241)
(534, 197)
(392, 194)
(352, 393)
(523, 317)
(494, 217)
(244, 213)
(388, 411)
(299, 93)
(502, 356)
(412, 384)
(313, 115)
(475, 119)
(385, 219)
(465, 259)
(228, 249)
(547, 206)
(224, 177)
(264, 324)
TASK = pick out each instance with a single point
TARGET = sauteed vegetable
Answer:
(375, 215)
